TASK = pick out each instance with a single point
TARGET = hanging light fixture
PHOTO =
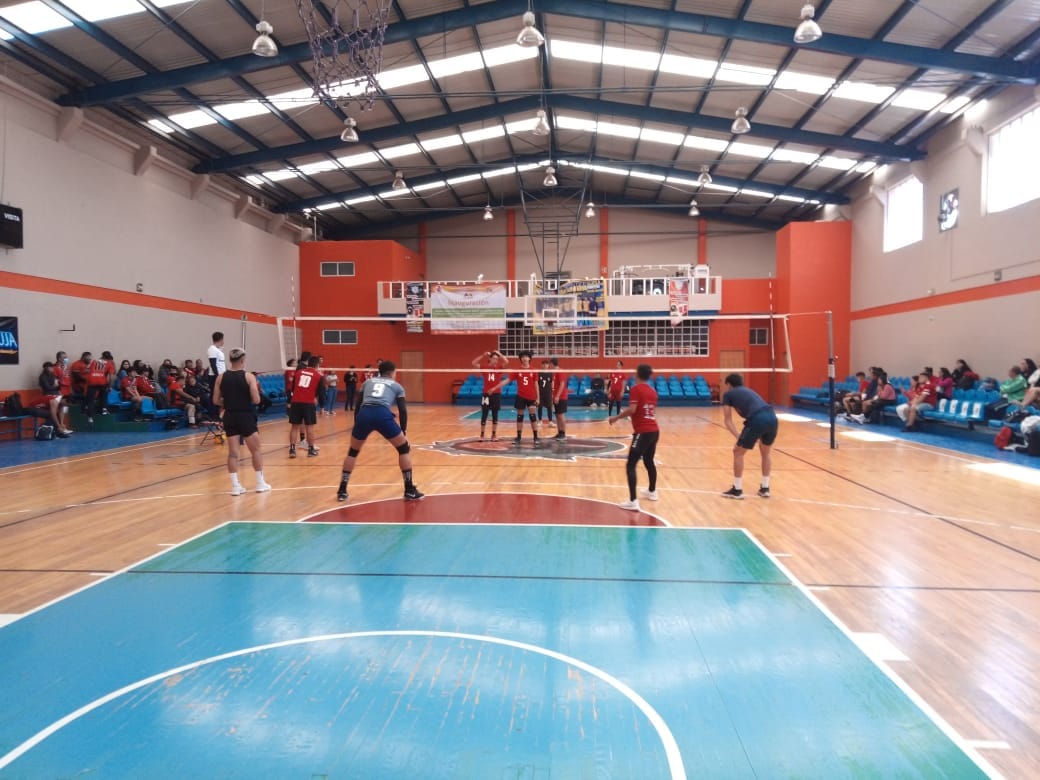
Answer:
(550, 177)
(488, 215)
(264, 45)
(529, 37)
(740, 124)
(808, 30)
(590, 210)
(694, 211)
(399, 183)
(541, 125)
(705, 178)
(349, 134)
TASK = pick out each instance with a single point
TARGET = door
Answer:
(412, 381)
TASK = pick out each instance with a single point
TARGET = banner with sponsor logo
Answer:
(590, 308)
(415, 300)
(9, 341)
(678, 300)
(468, 308)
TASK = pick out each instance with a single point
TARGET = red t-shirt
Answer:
(99, 371)
(128, 382)
(145, 386)
(306, 389)
(527, 385)
(172, 386)
(289, 381)
(645, 398)
(559, 387)
(79, 371)
(492, 377)
(617, 385)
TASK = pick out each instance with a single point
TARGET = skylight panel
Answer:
(620, 131)
(757, 151)
(608, 169)
(159, 126)
(708, 144)
(790, 198)
(93, 11)
(575, 123)
(648, 176)
(235, 111)
(631, 58)
(837, 163)
(496, 172)
(745, 74)
(866, 167)
(919, 99)
(521, 126)
(757, 193)
(394, 193)
(34, 18)
(483, 134)
(189, 120)
(719, 187)
(463, 179)
(355, 160)
(790, 155)
(955, 105)
(322, 166)
(332, 204)
(572, 50)
(255, 180)
(804, 82)
(429, 186)
(451, 66)
(506, 55)
(402, 150)
(360, 199)
(662, 136)
(864, 93)
(280, 175)
(400, 77)
(688, 66)
(443, 142)
(682, 182)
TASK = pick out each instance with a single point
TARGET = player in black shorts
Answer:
(760, 425)
(237, 392)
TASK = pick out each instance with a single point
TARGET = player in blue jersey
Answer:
(379, 395)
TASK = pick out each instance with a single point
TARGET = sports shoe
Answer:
(237, 490)
(263, 487)
(292, 450)
(303, 436)
(734, 493)
(860, 418)
(412, 494)
(312, 452)
(560, 435)
(341, 494)
(649, 494)
(494, 438)
(517, 440)
(763, 492)
(632, 506)
(537, 444)
(104, 412)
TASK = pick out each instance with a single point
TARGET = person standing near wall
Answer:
(331, 391)
(215, 353)
(545, 393)
(642, 408)
(350, 382)
(559, 399)
(760, 425)
(238, 393)
(616, 387)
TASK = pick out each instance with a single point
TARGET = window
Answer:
(519, 336)
(1013, 167)
(639, 338)
(339, 337)
(337, 269)
(904, 214)
(759, 337)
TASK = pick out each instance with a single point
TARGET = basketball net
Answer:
(347, 47)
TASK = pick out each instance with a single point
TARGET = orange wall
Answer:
(814, 275)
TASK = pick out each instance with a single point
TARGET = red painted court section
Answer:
(506, 508)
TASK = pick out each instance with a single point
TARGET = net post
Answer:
(830, 377)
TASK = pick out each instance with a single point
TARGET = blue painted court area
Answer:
(376, 651)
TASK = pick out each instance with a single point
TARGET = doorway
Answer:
(411, 380)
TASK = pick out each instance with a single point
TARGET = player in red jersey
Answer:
(494, 380)
(642, 408)
(78, 372)
(526, 398)
(99, 376)
(559, 400)
(288, 376)
(301, 407)
(616, 387)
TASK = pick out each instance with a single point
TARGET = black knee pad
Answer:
(352, 453)
(404, 449)
(520, 417)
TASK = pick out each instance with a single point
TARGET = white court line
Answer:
(915, 697)
(671, 748)
(8, 617)
(878, 647)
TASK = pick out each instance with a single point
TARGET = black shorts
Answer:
(240, 423)
(523, 403)
(302, 414)
(492, 401)
(761, 426)
(561, 406)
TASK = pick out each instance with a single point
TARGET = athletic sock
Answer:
(407, 478)
(260, 477)
(234, 480)
(765, 482)
(738, 483)
(345, 476)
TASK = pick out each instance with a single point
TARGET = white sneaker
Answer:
(649, 494)
(632, 506)
(237, 490)
(262, 487)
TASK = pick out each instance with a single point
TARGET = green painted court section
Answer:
(323, 650)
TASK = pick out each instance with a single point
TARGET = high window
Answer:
(904, 214)
(1013, 167)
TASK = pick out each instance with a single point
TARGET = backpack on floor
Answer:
(45, 433)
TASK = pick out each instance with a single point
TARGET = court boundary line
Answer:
(937, 720)
(671, 748)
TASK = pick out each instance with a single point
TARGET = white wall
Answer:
(991, 333)
(100, 210)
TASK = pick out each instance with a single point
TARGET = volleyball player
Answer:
(238, 393)
(526, 398)
(545, 393)
(760, 424)
(378, 396)
(616, 388)
(491, 364)
(642, 408)
(302, 410)
(559, 400)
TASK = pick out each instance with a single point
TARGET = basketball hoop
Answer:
(347, 48)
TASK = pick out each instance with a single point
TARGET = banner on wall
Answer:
(591, 306)
(9, 341)
(415, 300)
(468, 308)
(678, 300)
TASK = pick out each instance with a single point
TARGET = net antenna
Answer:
(347, 47)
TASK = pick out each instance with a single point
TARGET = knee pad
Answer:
(519, 417)
(404, 449)
(352, 453)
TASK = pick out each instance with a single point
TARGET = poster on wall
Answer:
(678, 300)
(415, 301)
(591, 305)
(9, 341)
(468, 308)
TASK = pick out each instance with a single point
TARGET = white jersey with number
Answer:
(381, 390)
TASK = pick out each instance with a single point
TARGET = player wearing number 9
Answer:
(378, 397)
